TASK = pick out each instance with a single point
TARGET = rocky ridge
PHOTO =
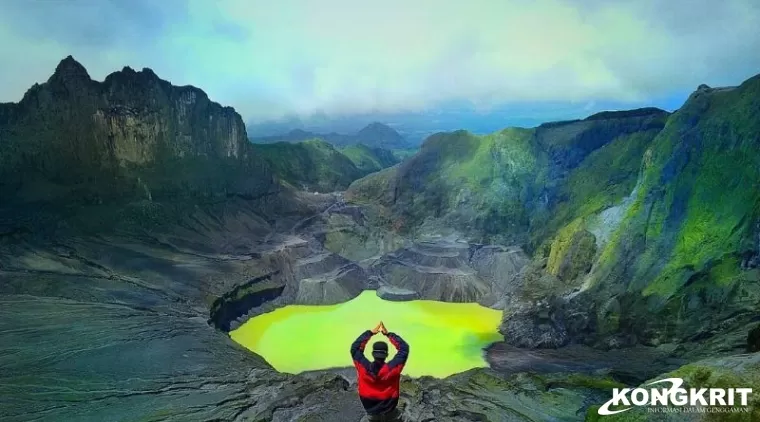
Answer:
(131, 136)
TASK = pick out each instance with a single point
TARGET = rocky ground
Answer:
(126, 325)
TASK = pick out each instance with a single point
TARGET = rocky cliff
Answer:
(132, 135)
(679, 263)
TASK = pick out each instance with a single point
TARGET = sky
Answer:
(407, 62)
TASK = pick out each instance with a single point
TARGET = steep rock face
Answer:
(337, 286)
(677, 263)
(680, 254)
(498, 263)
(358, 233)
(451, 271)
(569, 143)
(327, 278)
(500, 267)
(132, 134)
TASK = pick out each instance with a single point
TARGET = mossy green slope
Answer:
(404, 153)
(466, 180)
(318, 165)
(310, 165)
(375, 189)
(601, 180)
(521, 185)
(369, 159)
(684, 250)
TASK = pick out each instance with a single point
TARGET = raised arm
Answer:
(357, 347)
(397, 363)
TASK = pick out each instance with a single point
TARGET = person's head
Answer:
(380, 351)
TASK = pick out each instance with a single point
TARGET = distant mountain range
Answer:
(374, 135)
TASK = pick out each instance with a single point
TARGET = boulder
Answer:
(753, 340)
(397, 294)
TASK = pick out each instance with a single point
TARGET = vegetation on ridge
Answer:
(317, 165)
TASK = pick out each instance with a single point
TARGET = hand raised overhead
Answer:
(377, 328)
(383, 329)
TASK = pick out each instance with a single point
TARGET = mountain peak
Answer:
(298, 132)
(70, 69)
(382, 135)
(378, 126)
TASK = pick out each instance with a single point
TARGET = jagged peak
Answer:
(704, 91)
(69, 69)
(131, 72)
(149, 72)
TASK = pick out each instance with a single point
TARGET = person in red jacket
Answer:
(378, 380)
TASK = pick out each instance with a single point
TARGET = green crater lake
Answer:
(444, 338)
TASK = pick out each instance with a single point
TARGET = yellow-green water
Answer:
(444, 338)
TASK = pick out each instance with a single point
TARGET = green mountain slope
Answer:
(644, 226)
(519, 185)
(310, 165)
(686, 253)
(368, 159)
(318, 165)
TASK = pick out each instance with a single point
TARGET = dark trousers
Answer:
(392, 416)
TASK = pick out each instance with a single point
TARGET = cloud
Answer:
(299, 57)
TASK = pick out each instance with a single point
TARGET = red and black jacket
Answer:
(379, 384)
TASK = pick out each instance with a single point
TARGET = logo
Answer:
(674, 396)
